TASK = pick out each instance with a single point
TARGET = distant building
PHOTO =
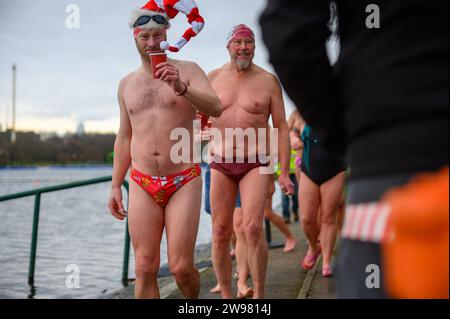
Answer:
(80, 129)
(45, 136)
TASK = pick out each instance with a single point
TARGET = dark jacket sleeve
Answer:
(295, 32)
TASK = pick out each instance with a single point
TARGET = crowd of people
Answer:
(355, 123)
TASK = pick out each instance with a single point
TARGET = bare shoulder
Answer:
(189, 70)
(271, 78)
(125, 80)
(215, 73)
(187, 66)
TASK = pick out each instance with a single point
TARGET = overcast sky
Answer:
(66, 76)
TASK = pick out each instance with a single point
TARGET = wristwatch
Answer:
(184, 91)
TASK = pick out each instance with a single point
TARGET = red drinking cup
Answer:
(157, 58)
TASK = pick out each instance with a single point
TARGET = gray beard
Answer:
(242, 65)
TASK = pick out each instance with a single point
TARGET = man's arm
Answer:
(198, 91)
(284, 147)
(295, 124)
(122, 158)
(296, 142)
(295, 32)
(291, 121)
(201, 94)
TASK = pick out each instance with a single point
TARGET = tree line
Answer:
(31, 149)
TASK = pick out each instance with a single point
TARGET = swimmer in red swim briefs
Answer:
(164, 195)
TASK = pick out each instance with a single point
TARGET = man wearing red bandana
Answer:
(250, 95)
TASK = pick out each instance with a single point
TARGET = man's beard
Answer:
(242, 65)
(145, 56)
(143, 52)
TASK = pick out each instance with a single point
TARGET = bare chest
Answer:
(143, 96)
(248, 97)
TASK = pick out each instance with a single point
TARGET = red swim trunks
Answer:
(161, 188)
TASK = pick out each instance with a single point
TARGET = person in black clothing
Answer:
(383, 106)
(318, 164)
(321, 187)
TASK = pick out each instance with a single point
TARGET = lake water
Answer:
(75, 228)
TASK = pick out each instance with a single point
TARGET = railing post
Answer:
(37, 193)
(268, 231)
(126, 254)
(269, 235)
(34, 237)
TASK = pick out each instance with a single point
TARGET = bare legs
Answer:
(324, 199)
(233, 252)
(242, 262)
(278, 221)
(223, 198)
(182, 220)
(330, 194)
(146, 224)
(223, 195)
(309, 207)
(253, 203)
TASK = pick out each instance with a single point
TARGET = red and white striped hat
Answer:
(169, 9)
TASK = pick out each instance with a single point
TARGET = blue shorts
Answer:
(207, 188)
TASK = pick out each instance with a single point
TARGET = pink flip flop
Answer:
(327, 272)
(310, 260)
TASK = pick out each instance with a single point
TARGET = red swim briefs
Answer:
(161, 188)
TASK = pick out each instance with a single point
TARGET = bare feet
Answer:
(216, 290)
(245, 293)
(290, 244)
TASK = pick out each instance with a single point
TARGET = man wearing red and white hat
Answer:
(250, 95)
(160, 11)
(163, 194)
